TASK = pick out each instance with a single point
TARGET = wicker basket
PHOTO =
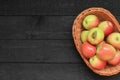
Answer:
(103, 14)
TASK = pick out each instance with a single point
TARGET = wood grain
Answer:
(38, 51)
(24, 71)
(36, 27)
(53, 7)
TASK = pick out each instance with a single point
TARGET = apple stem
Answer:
(94, 35)
(117, 38)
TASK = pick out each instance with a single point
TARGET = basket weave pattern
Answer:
(77, 28)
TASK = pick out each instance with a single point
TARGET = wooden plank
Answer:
(36, 27)
(38, 51)
(21, 71)
(53, 7)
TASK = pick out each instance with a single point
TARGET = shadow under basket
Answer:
(77, 28)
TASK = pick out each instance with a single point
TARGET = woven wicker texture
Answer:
(103, 14)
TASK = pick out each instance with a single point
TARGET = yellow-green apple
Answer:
(83, 36)
(116, 59)
(90, 21)
(105, 51)
(95, 36)
(107, 27)
(114, 39)
(97, 63)
(88, 50)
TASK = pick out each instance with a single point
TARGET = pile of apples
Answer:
(100, 43)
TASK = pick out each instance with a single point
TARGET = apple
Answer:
(95, 36)
(97, 63)
(88, 50)
(90, 21)
(105, 51)
(107, 27)
(116, 59)
(114, 39)
(84, 35)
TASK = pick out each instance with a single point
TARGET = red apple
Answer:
(97, 63)
(116, 59)
(107, 27)
(105, 51)
(90, 21)
(114, 39)
(88, 50)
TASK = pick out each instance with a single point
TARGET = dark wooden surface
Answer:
(36, 40)
(54, 7)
